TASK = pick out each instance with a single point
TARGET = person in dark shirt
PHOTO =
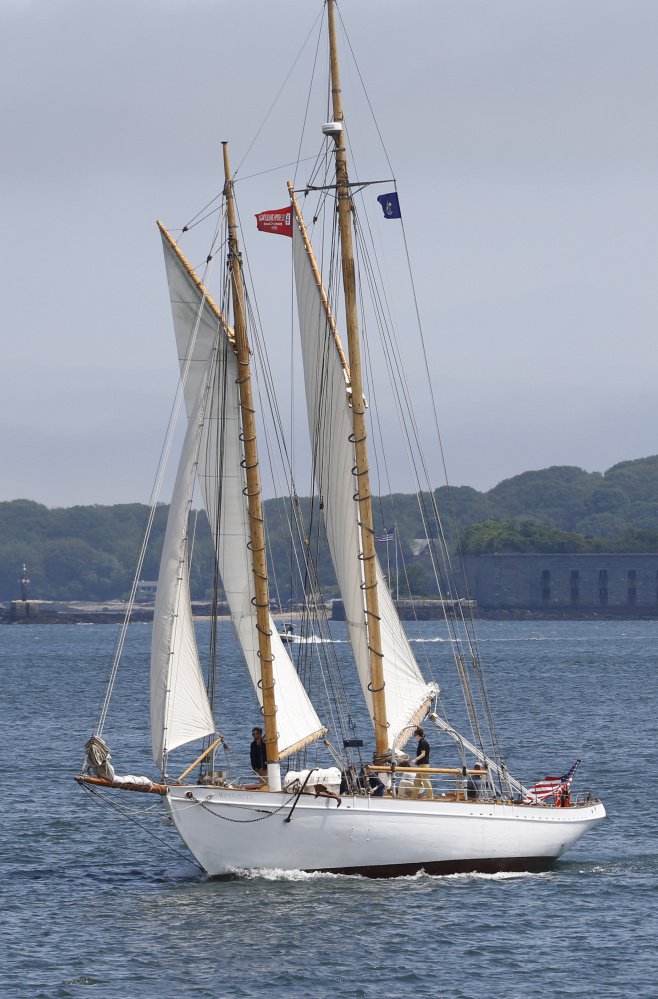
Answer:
(371, 783)
(474, 783)
(422, 759)
(258, 753)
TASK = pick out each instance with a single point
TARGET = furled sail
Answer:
(180, 711)
(199, 326)
(330, 424)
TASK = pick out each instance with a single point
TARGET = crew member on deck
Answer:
(474, 783)
(422, 759)
(258, 753)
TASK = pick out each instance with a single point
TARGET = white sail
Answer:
(197, 322)
(180, 711)
(330, 424)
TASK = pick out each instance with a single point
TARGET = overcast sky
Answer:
(523, 137)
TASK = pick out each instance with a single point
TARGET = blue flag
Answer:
(390, 205)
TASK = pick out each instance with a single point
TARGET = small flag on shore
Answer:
(390, 205)
(278, 221)
(386, 536)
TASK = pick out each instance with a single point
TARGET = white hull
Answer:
(230, 830)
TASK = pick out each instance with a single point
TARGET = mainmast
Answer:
(368, 555)
(254, 498)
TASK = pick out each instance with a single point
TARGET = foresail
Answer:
(221, 474)
(180, 711)
(197, 323)
(330, 424)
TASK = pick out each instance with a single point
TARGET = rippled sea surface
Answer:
(96, 903)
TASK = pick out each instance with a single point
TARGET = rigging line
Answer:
(386, 328)
(279, 92)
(446, 556)
(292, 411)
(263, 366)
(274, 169)
(126, 814)
(428, 377)
(312, 587)
(380, 452)
(208, 215)
(387, 343)
(182, 590)
(450, 573)
(216, 460)
(469, 635)
(308, 97)
(271, 394)
(153, 503)
(425, 520)
(334, 274)
(193, 220)
(140, 562)
(257, 328)
(429, 669)
(313, 611)
(365, 92)
(347, 724)
(311, 582)
(364, 262)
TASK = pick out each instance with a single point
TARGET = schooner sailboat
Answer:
(313, 820)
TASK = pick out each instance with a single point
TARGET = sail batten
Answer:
(330, 426)
(199, 326)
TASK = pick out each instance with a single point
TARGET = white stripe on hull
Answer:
(229, 831)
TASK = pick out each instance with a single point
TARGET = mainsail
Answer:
(199, 326)
(330, 424)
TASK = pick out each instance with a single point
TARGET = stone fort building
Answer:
(612, 584)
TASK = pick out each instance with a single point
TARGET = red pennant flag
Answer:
(278, 221)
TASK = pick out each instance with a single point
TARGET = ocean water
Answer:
(101, 904)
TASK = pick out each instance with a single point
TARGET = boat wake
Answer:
(278, 874)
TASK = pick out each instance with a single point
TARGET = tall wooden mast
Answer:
(254, 498)
(368, 554)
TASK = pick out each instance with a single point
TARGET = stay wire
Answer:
(401, 391)
(153, 506)
(126, 814)
(278, 94)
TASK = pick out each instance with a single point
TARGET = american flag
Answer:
(551, 787)
(386, 536)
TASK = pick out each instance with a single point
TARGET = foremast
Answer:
(361, 470)
(253, 486)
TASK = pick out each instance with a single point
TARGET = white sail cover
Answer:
(330, 423)
(199, 327)
(180, 711)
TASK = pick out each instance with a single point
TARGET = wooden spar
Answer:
(203, 291)
(254, 498)
(374, 768)
(368, 554)
(120, 785)
(213, 745)
(318, 280)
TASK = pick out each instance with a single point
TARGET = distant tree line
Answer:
(90, 552)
